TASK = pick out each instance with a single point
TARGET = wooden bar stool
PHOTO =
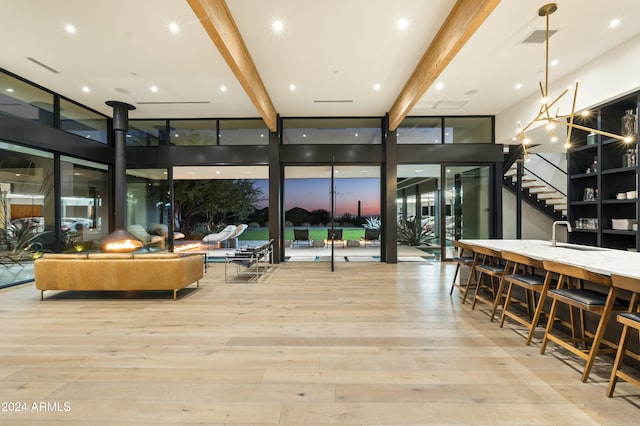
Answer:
(464, 257)
(523, 275)
(489, 263)
(629, 320)
(586, 300)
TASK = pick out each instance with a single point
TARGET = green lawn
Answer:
(314, 233)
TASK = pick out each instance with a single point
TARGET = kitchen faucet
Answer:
(553, 230)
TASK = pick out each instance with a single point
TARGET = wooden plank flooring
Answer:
(369, 344)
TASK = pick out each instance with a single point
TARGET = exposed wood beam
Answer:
(215, 17)
(463, 20)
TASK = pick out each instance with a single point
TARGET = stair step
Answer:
(559, 201)
(529, 186)
(550, 196)
(537, 191)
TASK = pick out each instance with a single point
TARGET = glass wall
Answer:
(420, 130)
(347, 131)
(192, 132)
(83, 122)
(308, 197)
(243, 132)
(23, 100)
(148, 204)
(437, 130)
(467, 197)
(27, 206)
(468, 130)
(84, 204)
(146, 132)
(209, 198)
(418, 205)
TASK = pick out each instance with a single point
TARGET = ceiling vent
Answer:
(47, 67)
(538, 36)
(173, 103)
(448, 104)
(333, 101)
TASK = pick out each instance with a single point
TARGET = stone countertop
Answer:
(596, 259)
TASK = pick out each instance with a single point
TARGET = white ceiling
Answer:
(330, 49)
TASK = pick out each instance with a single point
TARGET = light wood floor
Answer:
(370, 344)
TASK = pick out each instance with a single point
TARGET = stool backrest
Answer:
(576, 272)
(521, 259)
(626, 283)
(462, 247)
(487, 251)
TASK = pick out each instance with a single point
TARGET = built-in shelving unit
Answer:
(601, 166)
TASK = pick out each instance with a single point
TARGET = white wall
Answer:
(535, 225)
(547, 171)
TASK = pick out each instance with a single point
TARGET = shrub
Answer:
(372, 222)
(411, 233)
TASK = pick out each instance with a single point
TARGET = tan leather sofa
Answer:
(105, 271)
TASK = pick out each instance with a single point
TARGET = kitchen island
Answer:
(595, 259)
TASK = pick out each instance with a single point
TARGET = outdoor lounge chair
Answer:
(335, 235)
(146, 238)
(301, 238)
(371, 236)
(232, 241)
(220, 237)
(162, 230)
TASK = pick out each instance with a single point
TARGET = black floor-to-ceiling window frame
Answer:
(163, 154)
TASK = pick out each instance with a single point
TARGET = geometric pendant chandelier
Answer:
(547, 104)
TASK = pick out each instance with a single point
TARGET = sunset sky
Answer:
(314, 194)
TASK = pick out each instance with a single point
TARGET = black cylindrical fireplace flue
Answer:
(120, 240)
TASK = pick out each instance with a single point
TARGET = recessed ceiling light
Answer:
(364, 171)
(223, 88)
(262, 135)
(292, 87)
(277, 25)
(448, 170)
(518, 85)
(614, 23)
(217, 172)
(191, 173)
(70, 29)
(356, 135)
(554, 62)
(85, 89)
(304, 135)
(419, 170)
(154, 89)
(439, 85)
(376, 87)
(10, 90)
(174, 28)
(402, 24)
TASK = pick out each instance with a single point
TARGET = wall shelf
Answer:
(610, 177)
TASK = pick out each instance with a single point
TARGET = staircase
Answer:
(537, 191)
